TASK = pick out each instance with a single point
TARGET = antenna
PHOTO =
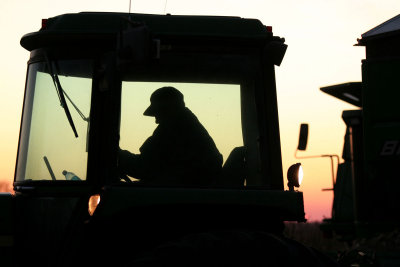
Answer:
(130, 6)
(165, 6)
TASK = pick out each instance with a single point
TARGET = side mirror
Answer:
(276, 51)
(303, 137)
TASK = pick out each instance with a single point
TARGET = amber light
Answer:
(44, 23)
(93, 202)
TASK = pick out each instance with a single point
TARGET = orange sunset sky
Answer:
(320, 35)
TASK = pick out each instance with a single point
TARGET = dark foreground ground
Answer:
(382, 249)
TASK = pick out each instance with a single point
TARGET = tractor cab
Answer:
(92, 77)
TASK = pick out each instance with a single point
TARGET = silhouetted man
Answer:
(180, 151)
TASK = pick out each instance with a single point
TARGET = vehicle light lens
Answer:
(295, 176)
(301, 174)
(93, 203)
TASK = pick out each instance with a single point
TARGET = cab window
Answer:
(180, 133)
(49, 148)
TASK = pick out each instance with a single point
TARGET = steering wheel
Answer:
(125, 178)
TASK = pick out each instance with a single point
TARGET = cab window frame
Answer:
(242, 68)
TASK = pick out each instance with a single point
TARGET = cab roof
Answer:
(385, 30)
(350, 92)
(100, 25)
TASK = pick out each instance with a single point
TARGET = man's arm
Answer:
(128, 163)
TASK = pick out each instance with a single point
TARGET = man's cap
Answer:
(164, 99)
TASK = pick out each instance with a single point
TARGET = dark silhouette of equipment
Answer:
(366, 190)
(188, 206)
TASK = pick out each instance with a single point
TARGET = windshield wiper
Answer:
(46, 161)
(76, 108)
(84, 118)
(60, 93)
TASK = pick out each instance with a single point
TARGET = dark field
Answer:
(310, 235)
(380, 249)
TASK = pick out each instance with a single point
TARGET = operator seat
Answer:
(233, 171)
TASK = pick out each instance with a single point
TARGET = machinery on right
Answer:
(367, 187)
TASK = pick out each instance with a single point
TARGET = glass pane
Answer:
(48, 144)
(183, 146)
